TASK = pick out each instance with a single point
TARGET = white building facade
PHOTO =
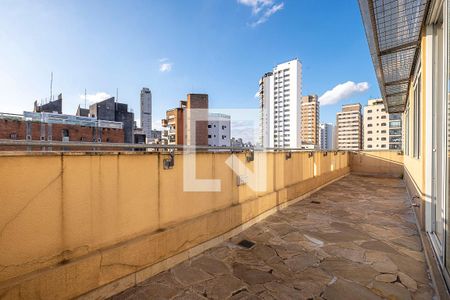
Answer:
(327, 136)
(382, 131)
(349, 127)
(280, 103)
(146, 112)
(219, 130)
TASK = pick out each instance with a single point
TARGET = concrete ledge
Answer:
(110, 270)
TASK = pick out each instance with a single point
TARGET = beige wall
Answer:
(379, 163)
(416, 166)
(71, 223)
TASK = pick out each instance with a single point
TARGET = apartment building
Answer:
(381, 130)
(111, 110)
(180, 121)
(327, 136)
(219, 130)
(280, 103)
(146, 112)
(376, 126)
(310, 116)
(264, 105)
(173, 126)
(409, 43)
(349, 127)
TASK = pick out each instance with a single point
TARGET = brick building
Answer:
(58, 127)
(179, 121)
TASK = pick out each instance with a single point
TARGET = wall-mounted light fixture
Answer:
(250, 156)
(288, 155)
(169, 162)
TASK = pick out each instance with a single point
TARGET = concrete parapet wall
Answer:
(72, 223)
(377, 163)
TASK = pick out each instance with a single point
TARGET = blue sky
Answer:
(219, 47)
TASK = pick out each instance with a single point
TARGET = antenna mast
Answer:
(117, 94)
(85, 97)
(51, 86)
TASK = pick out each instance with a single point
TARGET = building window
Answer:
(416, 118)
(394, 124)
(209, 136)
(406, 131)
(13, 136)
(209, 126)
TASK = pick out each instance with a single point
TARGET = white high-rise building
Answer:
(146, 112)
(327, 136)
(382, 131)
(280, 103)
(219, 130)
(349, 127)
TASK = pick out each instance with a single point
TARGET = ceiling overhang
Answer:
(393, 32)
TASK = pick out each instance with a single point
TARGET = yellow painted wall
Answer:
(415, 167)
(381, 163)
(70, 223)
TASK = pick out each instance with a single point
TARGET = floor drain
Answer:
(246, 244)
(315, 202)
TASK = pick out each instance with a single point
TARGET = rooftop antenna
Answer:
(85, 97)
(117, 94)
(51, 86)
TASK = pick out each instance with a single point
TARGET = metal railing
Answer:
(46, 146)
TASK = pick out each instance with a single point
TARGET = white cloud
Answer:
(165, 65)
(267, 14)
(97, 97)
(256, 5)
(262, 9)
(343, 91)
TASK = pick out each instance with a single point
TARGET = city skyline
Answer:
(329, 70)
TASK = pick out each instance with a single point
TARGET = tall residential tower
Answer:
(146, 112)
(381, 130)
(349, 127)
(310, 120)
(280, 98)
(327, 136)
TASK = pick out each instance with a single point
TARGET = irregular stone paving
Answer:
(354, 239)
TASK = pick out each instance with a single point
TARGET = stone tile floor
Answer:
(354, 239)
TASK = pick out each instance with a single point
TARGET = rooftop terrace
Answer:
(354, 239)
